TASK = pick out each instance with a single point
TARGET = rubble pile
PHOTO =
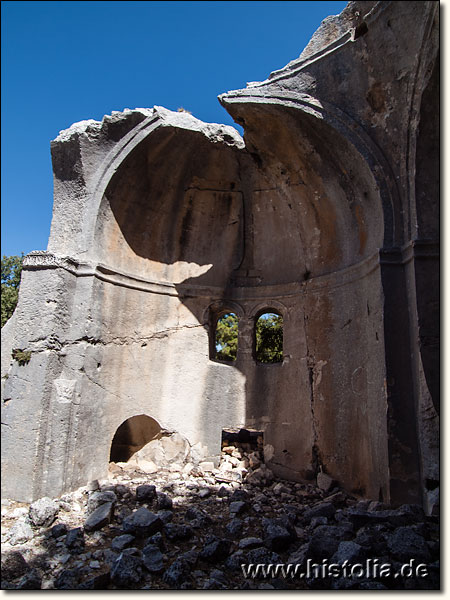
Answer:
(192, 526)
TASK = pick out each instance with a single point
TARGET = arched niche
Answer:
(172, 210)
(317, 201)
(132, 435)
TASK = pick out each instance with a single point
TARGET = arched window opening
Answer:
(131, 436)
(269, 338)
(226, 337)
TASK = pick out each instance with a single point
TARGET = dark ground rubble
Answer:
(191, 529)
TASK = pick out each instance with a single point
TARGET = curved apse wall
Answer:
(302, 205)
(295, 218)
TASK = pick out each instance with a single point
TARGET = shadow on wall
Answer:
(294, 210)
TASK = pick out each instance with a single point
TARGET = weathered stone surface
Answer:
(325, 541)
(324, 509)
(13, 565)
(122, 541)
(96, 499)
(177, 573)
(405, 543)
(339, 170)
(98, 582)
(30, 581)
(68, 579)
(325, 482)
(178, 532)
(277, 537)
(145, 493)
(348, 551)
(20, 532)
(163, 501)
(215, 550)
(74, 540)
(58, 530)
(142, 523)
(250, 542)
(43, 512)
(203, 554)
(127, 571)
(153, 559)
(237, 508)
(100, 517)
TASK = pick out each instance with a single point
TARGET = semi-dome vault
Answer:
(326, 213)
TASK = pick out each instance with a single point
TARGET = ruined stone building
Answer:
(326, 212)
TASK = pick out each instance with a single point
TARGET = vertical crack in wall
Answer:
(315, 453)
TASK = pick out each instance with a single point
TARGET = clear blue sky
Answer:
(63, 62)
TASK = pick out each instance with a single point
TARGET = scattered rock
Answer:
(324, 509)
(30, 581)
(98, 582)
(216, 550)
(250, 542)
(148, 466)
(204, 493)
(262, 555)
(127, 570)
(325, 482)
(240, 495)
(20, 532)
(122, 541)
(145, 493)
(177, 573)
(96, 499)
(325, 541)
(166, 516)
(58, 530)
(75, 540)
(277, 537)
(234, 527)
(163, 501)
(100, 517)
(207, 466)
(43, 512)
(254, 460)
(67, 580)
(153, 559)
(348, 551)
(178, 532)
(13, 565)
(405, 543)
(263, 521)
(197, 518)
(173, 448)
(142, 523)
(237, 508)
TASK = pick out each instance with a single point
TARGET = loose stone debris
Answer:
(193, 528)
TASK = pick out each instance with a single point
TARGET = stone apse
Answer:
(325, 212)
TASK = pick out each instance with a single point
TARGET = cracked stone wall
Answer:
(326, 212)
